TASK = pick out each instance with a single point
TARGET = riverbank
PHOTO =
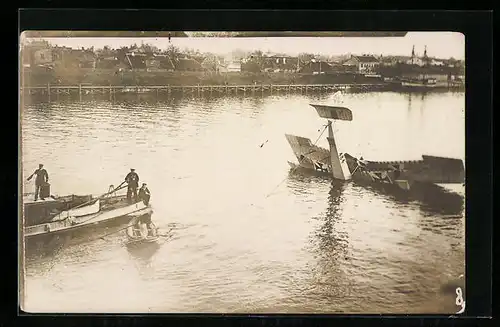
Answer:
(40, 76)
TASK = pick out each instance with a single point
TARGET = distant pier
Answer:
(212, 90)
(253, 89)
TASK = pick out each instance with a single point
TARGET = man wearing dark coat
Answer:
(132, 180)
(42, 177)
(144, 194)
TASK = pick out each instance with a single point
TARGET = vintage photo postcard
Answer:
(205, 172)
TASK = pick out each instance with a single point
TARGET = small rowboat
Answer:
(141, 233)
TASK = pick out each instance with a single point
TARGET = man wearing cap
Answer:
(144, 194)
(132, 180)
(42, 177)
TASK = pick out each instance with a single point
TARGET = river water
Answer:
(245, 236)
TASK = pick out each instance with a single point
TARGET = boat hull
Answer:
(47, 238)
(41, 211)
(73, 223)
(49, 244)
(418, 85)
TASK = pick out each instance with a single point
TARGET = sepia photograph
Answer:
(231, 172)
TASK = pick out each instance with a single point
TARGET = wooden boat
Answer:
(426, 82)
(37, 212)
(140, 233)
(418, 177)
(419, 84)
(67, 214)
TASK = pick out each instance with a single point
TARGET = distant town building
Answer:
(415, 60)
(188, 64)
(74, 58)
(214, 64)
(159, 62)
(109, 62)
(316, 67)
(136, 60)
(152, 63)
(389, 61)
(363, 64)
(435, 62)
(340, 68)
(42, 57)
(275, 63)
(234, 66)
(37, 53)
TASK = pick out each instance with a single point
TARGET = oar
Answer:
(121, 229)
(117, 231)
(165, 235)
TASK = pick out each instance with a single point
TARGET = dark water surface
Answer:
(311, 246)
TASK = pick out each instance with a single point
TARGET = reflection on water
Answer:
(312, 245)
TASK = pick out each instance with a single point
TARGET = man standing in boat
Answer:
(42, 178)
(144, 194)
(132, 180)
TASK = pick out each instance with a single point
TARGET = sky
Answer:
(439, 44)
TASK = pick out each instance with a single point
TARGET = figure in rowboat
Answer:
(143, 229)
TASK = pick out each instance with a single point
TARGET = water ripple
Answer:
(313, 246)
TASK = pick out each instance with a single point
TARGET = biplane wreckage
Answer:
(419, 177)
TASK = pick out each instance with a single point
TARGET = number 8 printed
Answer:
(459, 301)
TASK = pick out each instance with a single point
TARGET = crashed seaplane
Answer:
(419, 177)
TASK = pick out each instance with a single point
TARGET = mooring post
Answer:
(80, 91)
(48, 90)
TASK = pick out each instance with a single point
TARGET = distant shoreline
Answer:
(178, 78)
(144, 79)
(213, 91)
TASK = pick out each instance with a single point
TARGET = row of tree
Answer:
(254, 61)
(176, 53)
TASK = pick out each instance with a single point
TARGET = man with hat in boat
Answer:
(144, 194)
(132, 180)
(42, 178)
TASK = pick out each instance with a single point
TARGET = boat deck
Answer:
(30, 199)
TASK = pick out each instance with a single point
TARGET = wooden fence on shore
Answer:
(196, 89)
